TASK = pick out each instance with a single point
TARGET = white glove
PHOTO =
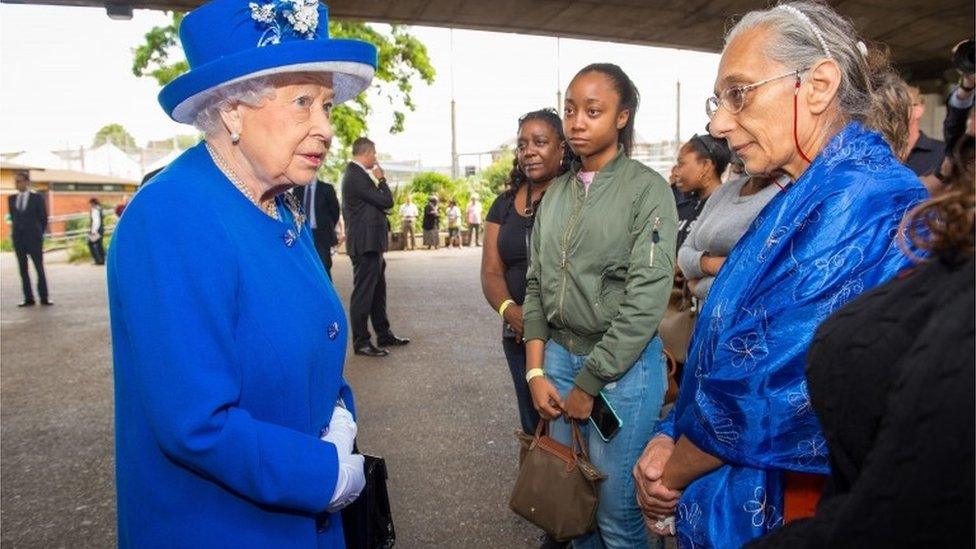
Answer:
(351, 480)
(341, 432)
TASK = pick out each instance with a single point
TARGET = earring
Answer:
(235, 137)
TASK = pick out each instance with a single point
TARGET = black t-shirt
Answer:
(689, 208)
(513, 239)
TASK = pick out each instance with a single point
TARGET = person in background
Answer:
(697, 174)
(925, 154)
(891, 382)
(600, 274)
(432, 224)
(893, 115)
(321, 207)
(741, 452)
(474, 221)
(234, 426)
(120, 207)
(541, 155)
(959, 109)
(408, 216)
(28, 217)
(96, 231)
(366, 201)
(453, 225)
(727, 216)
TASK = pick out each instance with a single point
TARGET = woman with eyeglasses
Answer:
(742, 451)
(730, 210)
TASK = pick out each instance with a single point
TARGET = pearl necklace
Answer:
(270, 209)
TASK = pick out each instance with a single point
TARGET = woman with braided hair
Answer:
(542, 154)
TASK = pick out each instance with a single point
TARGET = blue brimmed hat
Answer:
(227, 41)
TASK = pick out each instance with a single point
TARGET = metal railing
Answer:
(60, 239)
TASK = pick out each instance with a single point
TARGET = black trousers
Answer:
(324, 249)
(368, 300)
(36, 252)
(97, 250)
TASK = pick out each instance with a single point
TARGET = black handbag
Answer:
(367, 522)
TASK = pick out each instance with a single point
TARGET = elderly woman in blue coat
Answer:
(234, 427)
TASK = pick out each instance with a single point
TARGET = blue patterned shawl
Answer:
(818, 244)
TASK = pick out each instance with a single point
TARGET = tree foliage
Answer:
(115, 134)
(401, 58)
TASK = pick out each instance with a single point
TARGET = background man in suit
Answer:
(28, 215)
(322, 208)
(96, 231)
(365, 204)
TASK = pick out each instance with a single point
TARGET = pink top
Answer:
(586, 178)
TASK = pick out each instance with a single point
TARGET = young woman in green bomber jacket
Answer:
(602, 261)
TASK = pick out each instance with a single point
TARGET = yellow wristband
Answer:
(505, 304)
(533, 373)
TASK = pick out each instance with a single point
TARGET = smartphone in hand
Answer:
(604, 418)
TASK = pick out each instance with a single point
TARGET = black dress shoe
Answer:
(26, 304)
(370, 350)
(47, 302)
(391, 341)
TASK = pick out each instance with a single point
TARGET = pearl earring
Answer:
(235, 137)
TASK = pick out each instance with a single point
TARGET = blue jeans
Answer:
(515, 355)
(637, 398)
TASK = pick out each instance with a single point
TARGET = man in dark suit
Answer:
(365, 204)
(28, 215)
(96, 231)
(321, 207)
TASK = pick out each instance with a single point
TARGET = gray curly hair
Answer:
(252, 92)
(806, 32)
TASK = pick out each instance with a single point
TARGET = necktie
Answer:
(22, 202)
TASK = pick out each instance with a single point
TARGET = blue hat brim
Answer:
(352, 64)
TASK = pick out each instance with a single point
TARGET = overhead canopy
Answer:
(920, 33)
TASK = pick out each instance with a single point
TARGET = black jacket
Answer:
(326, 211)
(364, 207)
(954, 125)
(28, 225)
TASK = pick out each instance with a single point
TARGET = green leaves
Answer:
(115, 134)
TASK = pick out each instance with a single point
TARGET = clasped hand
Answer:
(656, 500)
(351, 477)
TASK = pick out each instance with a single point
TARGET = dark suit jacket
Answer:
(954, 125)
(326, 206)
(28, 225)
(364, 207)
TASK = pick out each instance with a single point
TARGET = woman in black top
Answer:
(891, 381)
(541, 155)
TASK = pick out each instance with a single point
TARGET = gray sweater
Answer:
(722, 223)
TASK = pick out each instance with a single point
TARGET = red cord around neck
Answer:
(796, 136)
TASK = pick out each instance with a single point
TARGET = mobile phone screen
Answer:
(604, 418)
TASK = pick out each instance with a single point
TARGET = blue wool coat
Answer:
(228, 342)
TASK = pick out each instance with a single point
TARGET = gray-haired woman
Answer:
(234, 427)
(742, 452)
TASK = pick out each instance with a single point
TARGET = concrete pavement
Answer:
(441, 410)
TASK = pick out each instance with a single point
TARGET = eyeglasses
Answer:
(734, 98)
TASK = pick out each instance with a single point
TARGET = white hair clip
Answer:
(862, 47)
(803, 17)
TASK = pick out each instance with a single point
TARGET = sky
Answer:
(65, 72)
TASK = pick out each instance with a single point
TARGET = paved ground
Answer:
(441, 410)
